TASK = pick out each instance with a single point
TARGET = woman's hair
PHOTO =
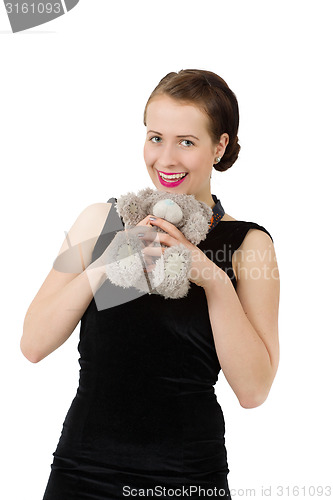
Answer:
(210, 93)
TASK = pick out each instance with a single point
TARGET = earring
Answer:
(218, 159)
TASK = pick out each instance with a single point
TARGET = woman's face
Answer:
(170, 147)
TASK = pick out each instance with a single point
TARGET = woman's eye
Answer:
(186, 140)
(156, 137)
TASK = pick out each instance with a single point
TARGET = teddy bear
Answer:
(125, 262)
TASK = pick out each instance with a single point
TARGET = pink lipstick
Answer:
(171, 183)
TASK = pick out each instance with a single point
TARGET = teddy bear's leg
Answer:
(123, 260)
(170, 276)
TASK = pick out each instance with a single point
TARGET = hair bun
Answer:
(230, 156)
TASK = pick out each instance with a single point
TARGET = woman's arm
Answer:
(67, 290)
(51, 320)
(245, 323)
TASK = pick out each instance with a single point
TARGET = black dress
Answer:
(145, 414)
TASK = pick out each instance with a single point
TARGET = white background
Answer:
(72, 97)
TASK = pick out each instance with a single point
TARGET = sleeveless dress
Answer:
(145, 417)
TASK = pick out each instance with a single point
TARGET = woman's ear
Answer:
(224, 141)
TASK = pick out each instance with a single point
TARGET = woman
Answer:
(145, 414)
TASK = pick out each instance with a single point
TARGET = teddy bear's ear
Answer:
(196, 228)
(146, 197)
(130, 209)
(146, 192)
(206, 210)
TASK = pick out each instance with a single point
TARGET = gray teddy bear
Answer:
(126, 265)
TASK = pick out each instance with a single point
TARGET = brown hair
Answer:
(210, 93)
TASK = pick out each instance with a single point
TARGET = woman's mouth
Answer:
(171, 180)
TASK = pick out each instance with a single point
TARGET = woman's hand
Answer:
(102, 261)
(202, 268)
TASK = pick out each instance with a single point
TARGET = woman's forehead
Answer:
(165, 110)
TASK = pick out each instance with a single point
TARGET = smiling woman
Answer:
(145, 414)
(201, 110)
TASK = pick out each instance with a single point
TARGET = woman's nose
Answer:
(167, 156)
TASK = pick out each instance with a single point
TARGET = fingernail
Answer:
(152, 218)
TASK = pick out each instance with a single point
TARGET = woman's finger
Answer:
(150, 268)
(153, 251)
(156, 237)
(145, 222)
(149, 260)
(169, 228)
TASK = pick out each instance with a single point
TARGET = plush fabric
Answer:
(125, 263)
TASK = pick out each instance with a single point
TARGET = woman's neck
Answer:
(208, 200)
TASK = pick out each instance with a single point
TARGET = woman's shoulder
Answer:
(244, 225)
(95, 215)
(89, 222)
(83, 235)
(241, 231)
(245, 236)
